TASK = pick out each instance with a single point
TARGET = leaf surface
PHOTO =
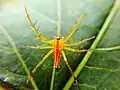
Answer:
(15, 23)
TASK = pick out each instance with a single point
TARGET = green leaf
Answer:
(14, 21)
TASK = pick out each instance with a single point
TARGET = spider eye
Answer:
(58, 38)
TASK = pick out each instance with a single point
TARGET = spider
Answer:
(57, 45)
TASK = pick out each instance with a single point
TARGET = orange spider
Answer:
(57, 45)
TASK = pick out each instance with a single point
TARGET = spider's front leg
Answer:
(75, 27)
(41, 37)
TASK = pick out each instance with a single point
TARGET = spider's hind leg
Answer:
(42, 61)
(70, 69)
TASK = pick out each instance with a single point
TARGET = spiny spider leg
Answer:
(74, 50)
(41, 37)
(35, 23)
(75, 27)
(40, 47)
(70, 69)
(80, 42)
(42, 61)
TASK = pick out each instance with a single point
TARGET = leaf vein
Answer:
(105, 69)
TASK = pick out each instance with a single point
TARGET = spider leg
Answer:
(75, 27)
(80, 42)
(74, 50)
(39, 47)
(66, 62)
(41, 37)
(42, 61)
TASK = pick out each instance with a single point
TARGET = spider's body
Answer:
(58, 45)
